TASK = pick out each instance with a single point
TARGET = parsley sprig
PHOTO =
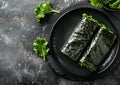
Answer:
(42, 9)
(40, 47)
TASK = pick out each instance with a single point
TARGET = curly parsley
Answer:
(40, 47)
(42, 9)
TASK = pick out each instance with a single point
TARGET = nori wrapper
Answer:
(89, 43)
(77, 41)
(98, 49)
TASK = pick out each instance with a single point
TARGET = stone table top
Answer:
(18, 63)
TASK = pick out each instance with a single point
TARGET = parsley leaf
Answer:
(40, 47)
(114, 4)
(42, 9)
(96, 3)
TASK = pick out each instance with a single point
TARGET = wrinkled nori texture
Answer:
(76, 43)
(98, 49)
(89, 43)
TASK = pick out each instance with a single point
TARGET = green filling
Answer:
(88, 66)
(90, 18)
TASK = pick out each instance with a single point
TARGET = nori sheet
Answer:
(98, 49)
(79, 38)
(89, 43)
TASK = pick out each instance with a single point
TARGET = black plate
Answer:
(62, 29)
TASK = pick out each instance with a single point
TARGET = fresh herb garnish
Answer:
(96, 3)
(42, 9)
(40, 47)
(114, 4)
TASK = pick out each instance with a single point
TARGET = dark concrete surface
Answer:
(18, 63)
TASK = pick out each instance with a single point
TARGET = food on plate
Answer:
(79, 38)
(98, 49)
(89, 43)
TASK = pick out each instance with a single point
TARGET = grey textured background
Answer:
(18, 63)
